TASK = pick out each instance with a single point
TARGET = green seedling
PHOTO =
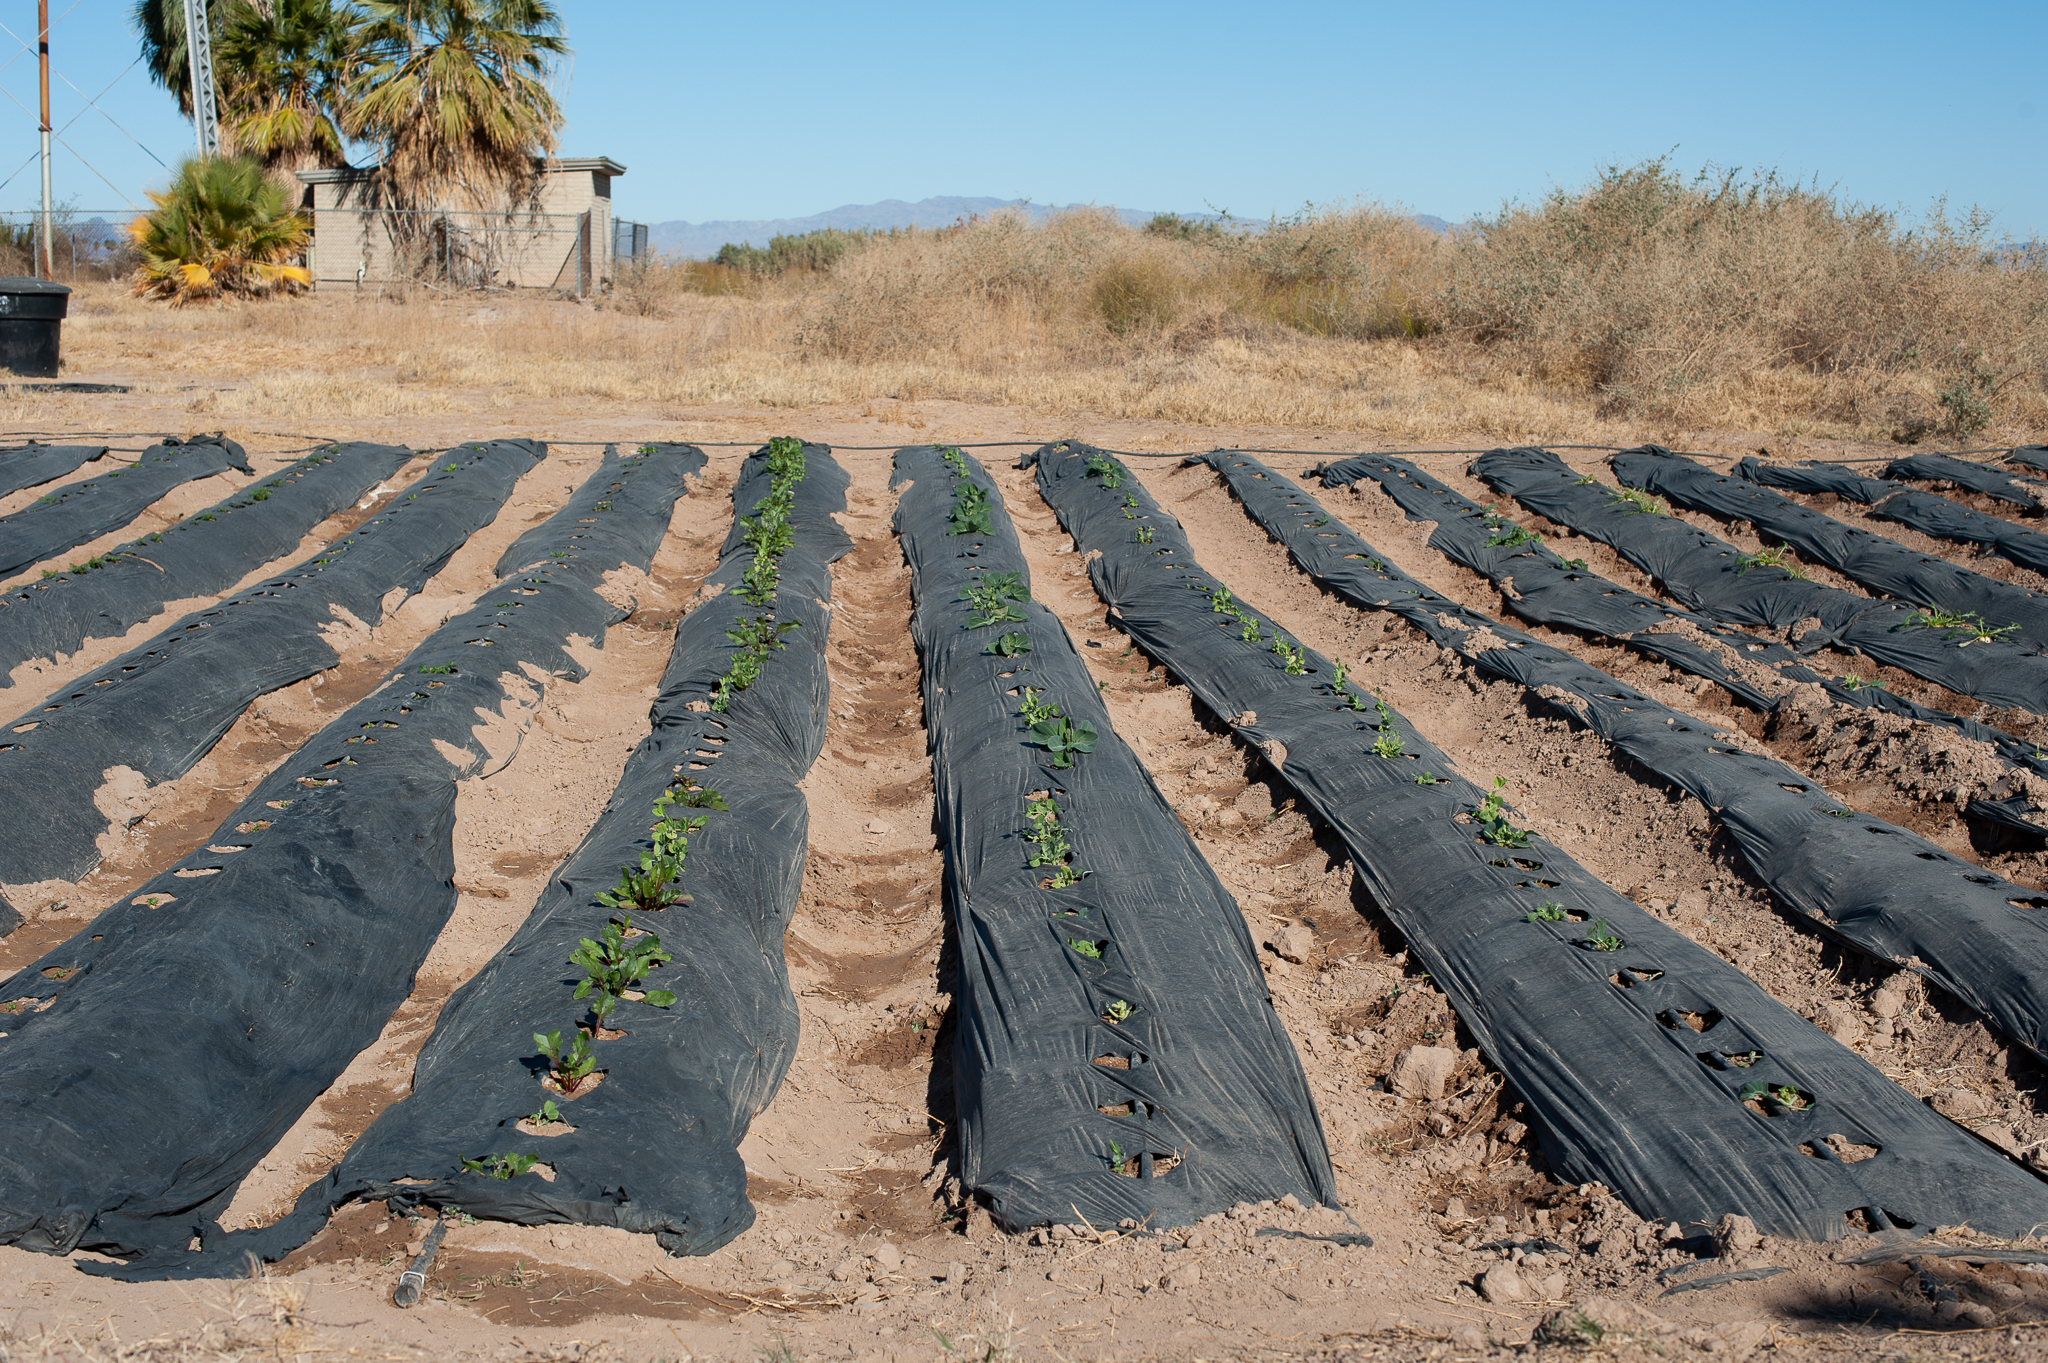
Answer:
(1600, 937)
(260, 495)
(993, 599)
(1493, 819)
(1630, 500)
(1120, 1011)
(1853, 682)
(1117, 1158)
(1033, 710)
(1577, 563)
(570, 1064)
(1011, 645)
(548, 1115)
(1508, 535)
(1841, 813)
(1109, 470)
(1586, 480)
(1340, 673)
(49, 573)
(1091, 950)
(1784, 1095)
(1549, 911)
(1063, 738)
(973, 512)
(1967, 626)
(648, 888)
(1356, 702)
(1220, 601)
(1388, 744)
(649, 449)
(956, 459)
(1049, 845)
(1144, 534)
(1426, 779)
(1777, 556)
(501, 1166)
(1293, 657)
(451, 468)
(1250, 632)
(615, 963)
(438, 669)
(1744, 1059)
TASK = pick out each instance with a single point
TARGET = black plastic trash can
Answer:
(31, 322)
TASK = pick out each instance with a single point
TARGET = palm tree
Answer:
(224, 227)
(455, 94)
(284, 69)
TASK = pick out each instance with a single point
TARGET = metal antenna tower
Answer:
(43, 65)
(199, 48)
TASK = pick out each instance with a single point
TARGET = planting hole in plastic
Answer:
(1675, 1018)
(154, 901)
(194, 872)
(1629, 976)
(2030, 902)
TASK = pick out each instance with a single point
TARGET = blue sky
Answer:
(741, 111)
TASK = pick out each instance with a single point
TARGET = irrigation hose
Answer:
(413, 1281)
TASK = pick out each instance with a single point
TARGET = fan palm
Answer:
(455, 94)
(223, 228)
(284, 70)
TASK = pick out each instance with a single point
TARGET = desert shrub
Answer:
(223, 228)
(783, 254)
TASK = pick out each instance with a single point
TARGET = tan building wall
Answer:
(563, 242)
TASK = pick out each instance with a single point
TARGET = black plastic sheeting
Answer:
(2034, 457)
(1879, 563)
(185, 1038)
(203, 555)
(1922, 511)
(1988, 479)
(34, 464)
(1540, 586)
(655, 1145)
(1881, 889)
(1707, 574)
(1597, 1043)
(1201, 1067)
(86, 510)
(161, 706)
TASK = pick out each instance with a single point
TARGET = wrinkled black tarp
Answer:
(1880, 888)
(83, 511)
(1625, 1092)
(1815, 477)
(34, 464)
(1988, 479)
(186, 1038)
(203, 555)
(1204, 1059)
(1539, 585)
(161, 706)
(655, 1147)
(2033, 457)
(1707, 574)
(1879, 563)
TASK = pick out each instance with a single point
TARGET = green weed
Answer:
(1493, 822)
(1967, 626)
(501, 1166)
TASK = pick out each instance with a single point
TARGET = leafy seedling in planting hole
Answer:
(1092, 950)
(1967, 626)
(973, 513)
(451, 468)
(647, 449)
(993, 599)
(1294, 658)
(1852, 681)
(1744, 1059)
(1784, 1095)
(1549, 911)
(1109, 470)
(1120, 1011)
(1117, 1158)
(501, 1166)
(1424, 778)
(614, 964)
(1032, 709)
(1773, 557)
(1577, 563)
(1144, 534)
(1063, 738)
(1493, 819)
(1600, 937)
(1010, 645)
(438, 669)
(1841, 814)
(1630, 500)
(547, 1116)
(1508, 535)
(570, 1064)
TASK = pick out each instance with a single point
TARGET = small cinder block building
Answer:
(561, 240)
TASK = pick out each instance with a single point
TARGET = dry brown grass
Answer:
(1641, 307)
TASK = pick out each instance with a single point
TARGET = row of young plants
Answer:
(1094, 900)
(769, 535)
(1636, 1050)
(86, 510)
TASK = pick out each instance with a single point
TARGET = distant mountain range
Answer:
(697, 240)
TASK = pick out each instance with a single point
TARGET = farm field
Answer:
(864, 1245)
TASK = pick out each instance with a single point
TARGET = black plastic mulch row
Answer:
(1922, 511)
(1988, 479)
(1877, 887)
(2032, 457)
(1707, 574)
(1539, 585)
(1879, 563)
(1118, 1053)
(161, 706)
(34, 464)
(1636, 1059)
(86, 510)
(183, 1037)
(203, 555)
(655, 1144)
